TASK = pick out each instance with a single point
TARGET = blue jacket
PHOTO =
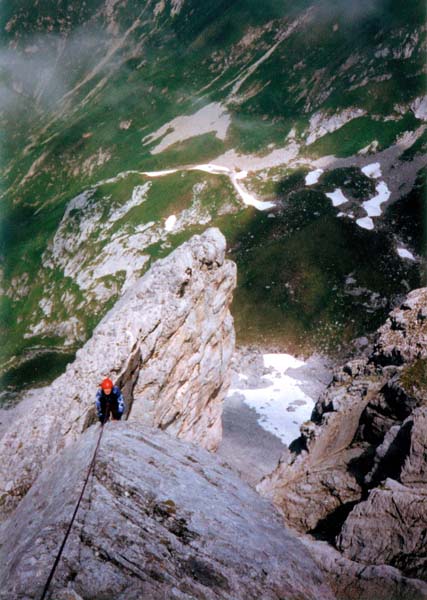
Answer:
(115, 398)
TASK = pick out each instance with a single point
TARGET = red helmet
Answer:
(107, 384)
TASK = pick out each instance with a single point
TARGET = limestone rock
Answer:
(350, 580)
(390, 526)
(358, 473)
(167, 342)
(161, 519)
(403, 338)
(67, 595)
(414, 472)
(316, 481)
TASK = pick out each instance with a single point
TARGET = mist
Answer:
(47, 67)
(351, 11)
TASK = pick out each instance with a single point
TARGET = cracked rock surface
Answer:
(167, 342)
(357, 476)
(160, 519)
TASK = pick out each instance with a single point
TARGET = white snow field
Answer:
(282, 406)
(373, 171)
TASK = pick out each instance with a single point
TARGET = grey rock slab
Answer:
(161, 519)
(389, 528)
(246, 446)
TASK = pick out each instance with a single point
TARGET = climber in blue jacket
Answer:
(109, 402)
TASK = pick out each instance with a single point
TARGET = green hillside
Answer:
(96, 94)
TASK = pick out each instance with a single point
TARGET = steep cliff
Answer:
(357, 476)
(167, 342)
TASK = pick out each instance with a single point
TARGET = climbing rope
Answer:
(67, 533)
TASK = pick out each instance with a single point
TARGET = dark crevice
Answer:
(362, 465)
(328, 528)
(128, 379)
(185, 283)
(392, 462)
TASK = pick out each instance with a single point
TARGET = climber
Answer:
(109, 402)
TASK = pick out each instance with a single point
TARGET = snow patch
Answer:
(211, 118)
(403, 253)
(211, 168)
(170, 223)
(337, 197)
(365, 223)
(373, 171)
(313, 177)
(373, 206)
(235, 177)
(282, 405)
(159, 173)
(247, 198)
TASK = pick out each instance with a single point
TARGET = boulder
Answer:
(161, 518)
(167, 342)
(351, 580)
(390, 526)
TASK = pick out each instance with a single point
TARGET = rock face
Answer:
(403, 337)
(358, 474)
(315, 481)
(160, 519)
(352, 580)
(167, 342)
(394, 517)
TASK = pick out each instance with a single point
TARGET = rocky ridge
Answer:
(167, 342)
(357, 475)
(181, 525)
(162, 519)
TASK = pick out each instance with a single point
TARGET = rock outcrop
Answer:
(161, 518)
(390, 527)
(315, 481)
(167, 342)
(357, 476)
(351, 580)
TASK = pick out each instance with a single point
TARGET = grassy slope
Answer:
(156, 75)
